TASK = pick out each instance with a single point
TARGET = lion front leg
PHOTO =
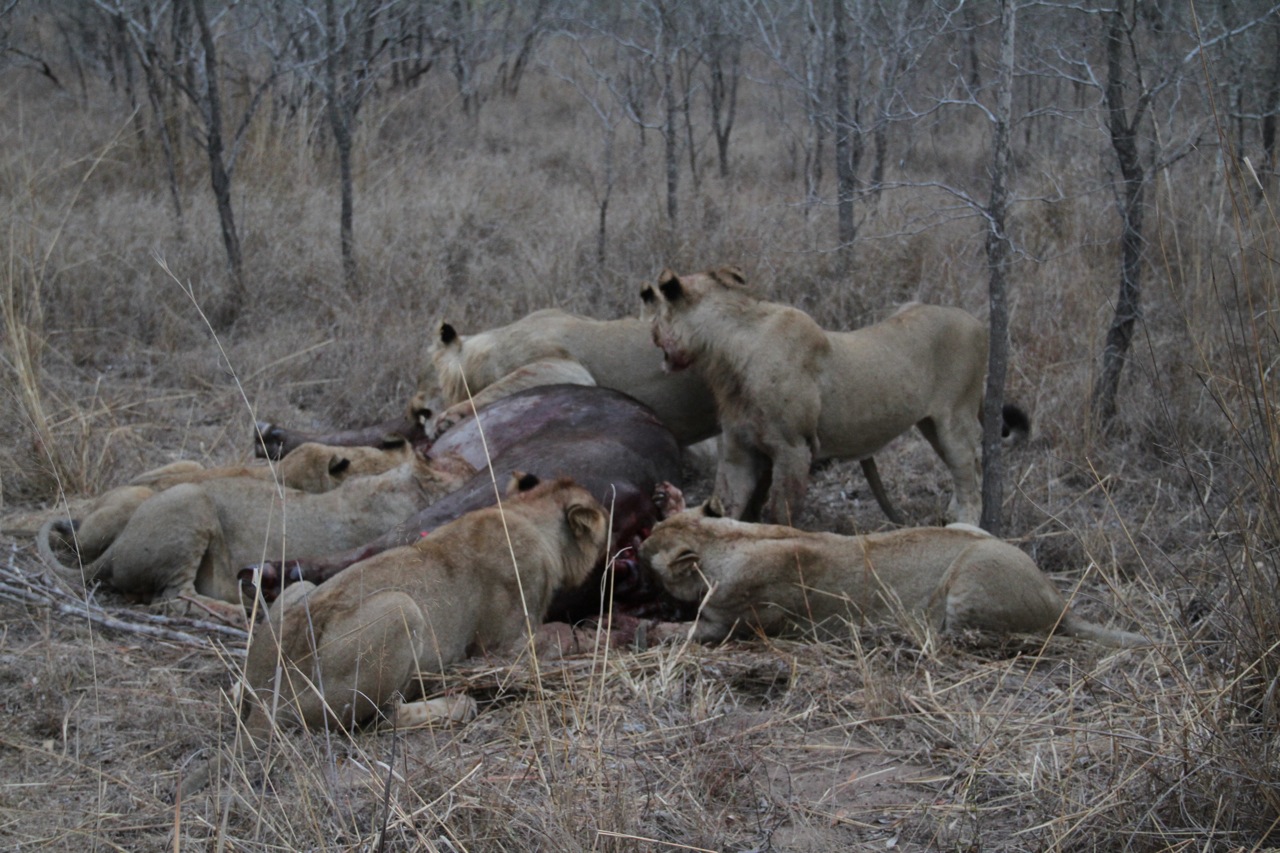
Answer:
(790, 482)
(738, 477)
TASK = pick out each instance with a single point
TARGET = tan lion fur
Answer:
(188, 542)
(551, 346)
(311, 467)
(789, 393)
(343, 651)
(773, 579)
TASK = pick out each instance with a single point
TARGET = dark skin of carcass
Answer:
(606, 441)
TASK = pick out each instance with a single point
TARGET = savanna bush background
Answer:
(478, 180)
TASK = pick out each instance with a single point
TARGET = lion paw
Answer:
(669, 499)
(458, 708)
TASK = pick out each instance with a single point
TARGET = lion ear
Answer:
(338, 464)
(685, 563)
(669, 284)
(586, 520)
(521, 481)
(735, 274)
(448, 334)
(713, 508)
(647, 296)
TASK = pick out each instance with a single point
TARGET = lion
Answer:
(311, 467)
(551, 347)
(184, 545)
(776, 580)
(342, 652)
(788, 393)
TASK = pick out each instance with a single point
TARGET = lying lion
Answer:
(311, 468)
(788, 393)
(770, 579)
(187, 543)
(551, 347)
(343, 651)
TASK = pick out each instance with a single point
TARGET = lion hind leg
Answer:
(107, 520)
(959, 447)
(366, 658)
(162, 548)
(993, 586)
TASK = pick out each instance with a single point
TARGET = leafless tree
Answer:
(178, 47)
(598, 68)
(1148, 53)
(999, 255)
(718, 42)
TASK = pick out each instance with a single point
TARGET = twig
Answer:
(22, 587)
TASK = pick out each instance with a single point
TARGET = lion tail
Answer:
(1017, 423)
(1074, 626)
(78, 578)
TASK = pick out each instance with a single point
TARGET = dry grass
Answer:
(891, 739)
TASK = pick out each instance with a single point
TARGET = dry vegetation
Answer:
(117, 739)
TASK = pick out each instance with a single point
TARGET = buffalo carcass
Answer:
(603, 439)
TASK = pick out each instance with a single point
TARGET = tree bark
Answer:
(669, 135)
(722, 93)
(847, 148)
(998, 256)
(219, 177)
(338, 108)
(1122, 128)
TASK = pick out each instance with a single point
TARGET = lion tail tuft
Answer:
(1017, 423)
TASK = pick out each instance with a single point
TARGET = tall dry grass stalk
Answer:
(26, 270)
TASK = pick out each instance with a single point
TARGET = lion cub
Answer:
(342, 651)
(771, 579)
(789, 393)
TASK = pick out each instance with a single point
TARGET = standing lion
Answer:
(789, 393)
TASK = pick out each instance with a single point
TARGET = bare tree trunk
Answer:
(846, 156)
(121, 36)
(816, 85)
(338, 108)
(998, 253)
(219, 177)
(687, 67)
(723, 92)
(1271, 107)
(602, 235)
(669, 136)
(1124, 140)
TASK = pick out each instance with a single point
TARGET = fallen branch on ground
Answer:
(35, 588)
